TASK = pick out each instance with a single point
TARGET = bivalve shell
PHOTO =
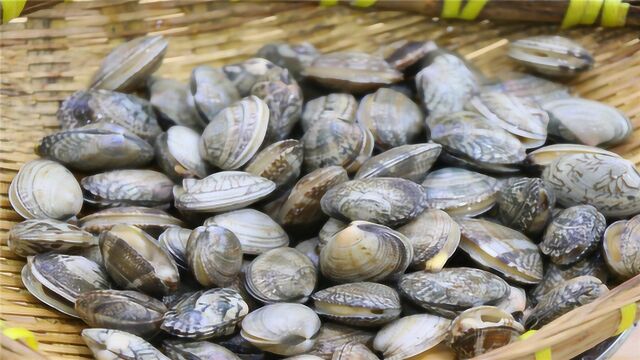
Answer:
(525, 204)
(116, 344)
(128, 188)
(353, 351)
(212, 91)
(35, 236)
(411, 162)
(547, 154)
(246, 74)
(410, 336)
(555, 275)
(330, 228)
(622, 247)
(460, 192)
(534, 88)
(311, 250)
(551, 55)
(178, 155)
(332, 336)
(279, 162)
(294, 57)
(174, 241)
(174, 103)
(150, 220)
(214, 255)
(196, 350)
(284, 101)
(329, 107)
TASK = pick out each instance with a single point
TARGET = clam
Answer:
(302, 206)
(310, 249)
(330, 228)
(243, 348)
(502, 249)
(256, 231)
(573, 234)
(116, 344)
(45, 189)
(515, 304)
(284, 101)
(128, 188)
(525, 204)
(530, 87)
(364, 251)
(411, 336)
(283, 329)
(479, 330)
(196, 350)
(222, 191)
(551, 55)
(246, 74)
(434, 237)
(177, 154)
(279, 162)
(92, 106)
(174, 241)
(57, 280)
(214, 255)
(547, 154)
(35, 236)
(411, 162)
(359, 304)
(281, 275)
(587, 122)
(520, 117)
(621, 247)
(353, 351)
(235, 134)
(337, 142)
(453, 290)
(100, 146)
(129, 311)
(135, 261)
(293, 57)
(148, 219)
(445, 85)
(408, 54)
(212, 91)
(460, 192)
(329, 107)
(392, 118)
(206, 314)
(564, 298)
(92, 253)
(174, 103)
(332, 336)
(387, 201)
(351, 71)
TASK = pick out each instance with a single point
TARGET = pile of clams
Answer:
(326, 206)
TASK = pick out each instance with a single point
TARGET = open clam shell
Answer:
(411, 336)
(411, 162)
(35, 236)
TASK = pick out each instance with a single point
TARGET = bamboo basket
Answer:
(53, 52)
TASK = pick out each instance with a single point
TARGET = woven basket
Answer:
(53, 53)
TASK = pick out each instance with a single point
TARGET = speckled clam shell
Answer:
(364, 251)
(302, 206)
(124, 310)
(354, 72)
(434, 237)
(547, 154)
(235, 134)
(246, 74)
(392, 118)
(206, 314)
(329, 107)
(573, 234)
(524, 204)
(284, 101)
(534, 88)
(551, 55)
(214, 255)
(177, 154)
(93, 147)
(411, 162)
(147, 219)
(587, 122)
(509, 252)
(184, 350)
(222, 191)
(116, 344)
(332, 336)
(174, 240)
(256, 231)
(212, 91)
(281, 275)
(358, 304)
(386, 201)
(129, 64)
(460, 192)
(554, 274)
(564, 298)
(45, 189)
(35, 236)
(128, 188)
(91, 106)
(410, 336)
(283, 329)
(453, 290)
(621, 247)
(174, 103)
(279, 162)
(330, 228)
(293, 57)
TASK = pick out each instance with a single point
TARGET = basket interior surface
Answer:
(54, 52)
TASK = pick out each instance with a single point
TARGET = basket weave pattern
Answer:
(55, 52)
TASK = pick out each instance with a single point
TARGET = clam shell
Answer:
(310, 249)
(182, 350)
(411, 162)
(35, 236)
(410, 336)
(355, 72)
(242, 347)
(530, 87)
(222, 191)
(279, 162)
(284, 101)
(547, 154)
(329, 107)
(100, 146)
(460, 192)
(174, 241)
(554, 274)
(293, 57)
(128, 188)
(212, 91)
(408, 54)
(525, 204)
(364, 251)
(174, 103)
(387, 201)
(434, 237)
(515, 303)
(453, 290)
(621, 247)
(353, 351)
(214, 255)
(177, 154)
(332, 336)
(359, 304)
(502, 249)
(206, 314)
(128, 64)
(256, 231)
(45, 189)
(330, 228)
(41, 293)
(116, 344)
(246, 74)
(392, 118)
(148, 219)
(551, 55)
(283, 329)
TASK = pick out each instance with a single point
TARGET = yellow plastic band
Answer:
(450, 9)
(470, 11)
(585, 12)
(21, 334)
(328, 3)
(363, 3)
(627, 317)
(544, 354)
(614, 13)
(11, 9)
